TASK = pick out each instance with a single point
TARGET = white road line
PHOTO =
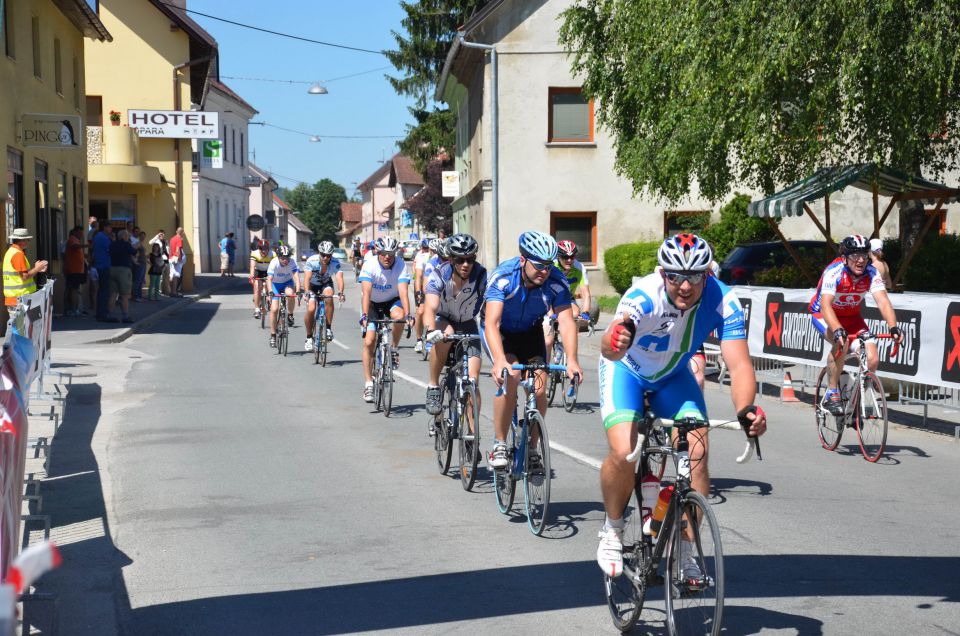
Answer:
(413, 381)
(341, 345)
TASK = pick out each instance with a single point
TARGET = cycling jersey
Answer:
(420, 262)
(261, 259)
(385, 282)
(666, 337)
(431, 264)
(847, 291)
(575, 277)
(282, 274)
(318, 277)
(522, 307)
(464, 305)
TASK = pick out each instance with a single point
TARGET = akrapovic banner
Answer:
(779, 326)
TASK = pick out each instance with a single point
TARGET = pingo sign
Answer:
(50, 130)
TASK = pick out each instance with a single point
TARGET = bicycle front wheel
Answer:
(694, 583)
(264, 312)
(442, 443)
(536, 478)
(387, 388)
(570, 395)
(469, 438)
(870, 418)
(829, 426)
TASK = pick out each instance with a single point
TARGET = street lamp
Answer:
(317, 89)
(315, 138)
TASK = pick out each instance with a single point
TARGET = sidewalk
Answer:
(74, 331)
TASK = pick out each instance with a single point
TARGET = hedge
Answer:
(623, 262)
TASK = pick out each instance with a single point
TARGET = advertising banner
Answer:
(13, 449)
(43, 130)
(175, 124)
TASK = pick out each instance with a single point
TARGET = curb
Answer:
(154, 317)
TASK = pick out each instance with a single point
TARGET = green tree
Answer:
(763, 92)
(318, 206)
(429, 206)
(433, 136)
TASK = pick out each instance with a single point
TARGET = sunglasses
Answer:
(677, 278)
(858, 256)
(563, 257)
(539, 266)
(461, 260)
(326, 255)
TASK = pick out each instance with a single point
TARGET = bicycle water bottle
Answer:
(656, 521)
(649, 490)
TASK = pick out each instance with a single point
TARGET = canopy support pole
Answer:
(893, 201)
(823, 230)
(932, 216)
(826, 209)
(792, 251)
(876, 211)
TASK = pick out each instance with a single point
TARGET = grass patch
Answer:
(607, 304)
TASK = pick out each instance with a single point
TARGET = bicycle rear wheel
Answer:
(469, 438)
(569, 395)
(264, 312)
(377, 382)
(442, 443)
(536, 481)
(829, 426)
(870, 418)
(286, 340)
(694, 594)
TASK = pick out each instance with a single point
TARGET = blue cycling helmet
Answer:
(424, 243)
(538, 246)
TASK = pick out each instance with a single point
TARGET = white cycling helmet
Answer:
(538, 246)
(434, 244)
(325, 247)
(685, 253)
(386, 244)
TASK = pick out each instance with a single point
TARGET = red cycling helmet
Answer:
(567, 248)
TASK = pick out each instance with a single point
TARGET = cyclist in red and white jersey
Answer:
(835, 308)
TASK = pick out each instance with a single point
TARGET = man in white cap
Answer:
(876, 258)
(18, 276)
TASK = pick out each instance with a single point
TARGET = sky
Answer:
(365, 105)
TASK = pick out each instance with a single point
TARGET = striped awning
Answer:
(889, 182)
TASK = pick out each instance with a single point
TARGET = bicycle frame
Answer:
(518, 427)
(860, 375)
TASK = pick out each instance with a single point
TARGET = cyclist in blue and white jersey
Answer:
(520, 292)
(319, 273)
(384, 284)
(454, 298)
(282, 279)
(660, 322)
(419, 286)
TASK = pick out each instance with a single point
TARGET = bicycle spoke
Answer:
(694, 585)
(870, 419)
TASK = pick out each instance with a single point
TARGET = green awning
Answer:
(889, 182)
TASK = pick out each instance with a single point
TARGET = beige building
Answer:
(159, 60)
(383, 195)
(42, 110)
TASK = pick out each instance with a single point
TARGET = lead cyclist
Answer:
(660, 322)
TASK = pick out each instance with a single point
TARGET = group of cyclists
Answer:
(649, 348)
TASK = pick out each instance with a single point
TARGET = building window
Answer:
(78, 196)
(14, 207)
(75, 69)
(57, 67)
(94, 110)
(118, 210)
(233, 143)
(241, 149)
(35, 30)
(8, 30)
(679, 221)
(570, 117)
(579, 227)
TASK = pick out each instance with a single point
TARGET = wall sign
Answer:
(211, 153)
(175, 124)
(50, 130)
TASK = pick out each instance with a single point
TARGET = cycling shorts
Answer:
(280, 288)
(852, 324)
(468, 327)
(621, 395)
(381, 311)
(260, 274)
(321, 290)
(528, 346)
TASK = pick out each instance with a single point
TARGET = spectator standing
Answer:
(140, 266)
(231, 253)
(18, 276)
(75, 270)
(93, 226)
(876, 259)
(224, 254)
(157, 265)
(122, 254)
(161, 240)
(176, 260)
(101, 262)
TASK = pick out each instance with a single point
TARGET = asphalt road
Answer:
(256, 494)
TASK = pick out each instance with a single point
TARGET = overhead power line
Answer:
(277, 33)
(284, 81)
(306, 134)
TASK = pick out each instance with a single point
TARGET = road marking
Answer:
(341, 345)
(413, 381)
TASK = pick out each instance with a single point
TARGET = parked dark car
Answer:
(748, 259)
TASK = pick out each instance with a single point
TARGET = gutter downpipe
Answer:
(495, 142)
(176, 142)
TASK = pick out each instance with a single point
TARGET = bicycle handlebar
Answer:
(539, 366)
(730, 425)
(862, 338)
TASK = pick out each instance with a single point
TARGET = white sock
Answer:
(613, 523)
(366, 384)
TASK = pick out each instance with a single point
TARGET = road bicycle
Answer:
(694, 604)
(528, 437)
(320, 342)
(264, 303)
(459, 418)
(383, 365)
(862, 398)
(283, 327)
(558, 379)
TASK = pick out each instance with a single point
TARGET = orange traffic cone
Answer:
(786, 392)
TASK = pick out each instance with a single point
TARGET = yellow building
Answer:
(159, 60)
(41, 120)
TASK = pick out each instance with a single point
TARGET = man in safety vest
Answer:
(17, 273)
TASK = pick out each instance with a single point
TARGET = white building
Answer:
(220, 195)
(261, 187)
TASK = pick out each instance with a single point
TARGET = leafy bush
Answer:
(735, 227)
(935, 268)
(790, 275)
(623, 262)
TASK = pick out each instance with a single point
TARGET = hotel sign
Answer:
(50, 130)
(174, 124)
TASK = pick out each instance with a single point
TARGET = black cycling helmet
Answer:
(284, 251)
(462, 245)
(854, 244)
